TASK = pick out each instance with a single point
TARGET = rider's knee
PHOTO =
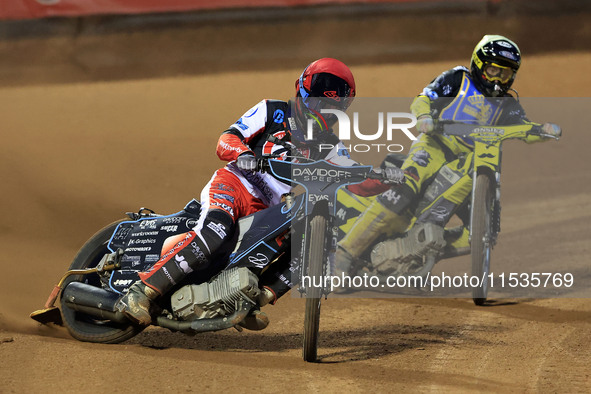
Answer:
(397, 199)
(216, 230)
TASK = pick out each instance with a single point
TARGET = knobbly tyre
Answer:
(424, 243)
(109, 262)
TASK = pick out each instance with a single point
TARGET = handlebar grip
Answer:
(439, 124)
(375, 175)
(539, 132)
(535, 130)
(380, 175)
(263, 164)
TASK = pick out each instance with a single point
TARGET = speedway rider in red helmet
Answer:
(238, 189)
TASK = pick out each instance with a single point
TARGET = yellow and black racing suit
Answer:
(451, 96)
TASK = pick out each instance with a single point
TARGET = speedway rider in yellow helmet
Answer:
(479, 95)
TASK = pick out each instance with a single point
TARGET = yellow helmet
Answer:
(494, 64)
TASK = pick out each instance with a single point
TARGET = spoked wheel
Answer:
(316, 253)
(85, 327)
(481, 243)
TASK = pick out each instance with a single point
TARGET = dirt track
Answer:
(70, 162)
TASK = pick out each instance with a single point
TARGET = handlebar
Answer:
(459, 129)
(263, 163)
(380, 175)
(377, 173)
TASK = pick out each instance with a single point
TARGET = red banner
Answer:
(28, 9)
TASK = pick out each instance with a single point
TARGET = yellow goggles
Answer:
(494, 72)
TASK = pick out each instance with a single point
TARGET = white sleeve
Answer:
(253, 121)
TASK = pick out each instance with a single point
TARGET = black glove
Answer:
(246, 162)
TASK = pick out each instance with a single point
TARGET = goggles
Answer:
(493, 72)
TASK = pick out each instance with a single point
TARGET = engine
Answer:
(219, 297)
(405, 255)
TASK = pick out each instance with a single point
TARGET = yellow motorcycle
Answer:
(414, 253)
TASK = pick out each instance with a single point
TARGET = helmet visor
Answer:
(327, 92)
(495, 73)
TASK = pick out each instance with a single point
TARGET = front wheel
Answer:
(315, 263)
(84, 327)
(481, 243)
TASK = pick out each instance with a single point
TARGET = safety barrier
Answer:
(31, 9)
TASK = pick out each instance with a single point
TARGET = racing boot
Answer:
(373, 222)
(137, 303)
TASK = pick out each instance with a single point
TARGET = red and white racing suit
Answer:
(232, 193)
(253, 191)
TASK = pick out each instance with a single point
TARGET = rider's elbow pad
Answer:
(421, 105)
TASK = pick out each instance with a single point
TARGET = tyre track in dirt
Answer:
(517, 353)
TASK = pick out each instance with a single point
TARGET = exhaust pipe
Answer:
(101, 304)
(93, 301)
(213, 324)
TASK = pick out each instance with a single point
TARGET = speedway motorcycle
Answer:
(415, 252)
(303, 228)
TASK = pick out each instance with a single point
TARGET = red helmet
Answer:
(326, 83)
(329, 79)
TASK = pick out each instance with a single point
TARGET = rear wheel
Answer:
(315, 263)
(481, 243)
(85, 327)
